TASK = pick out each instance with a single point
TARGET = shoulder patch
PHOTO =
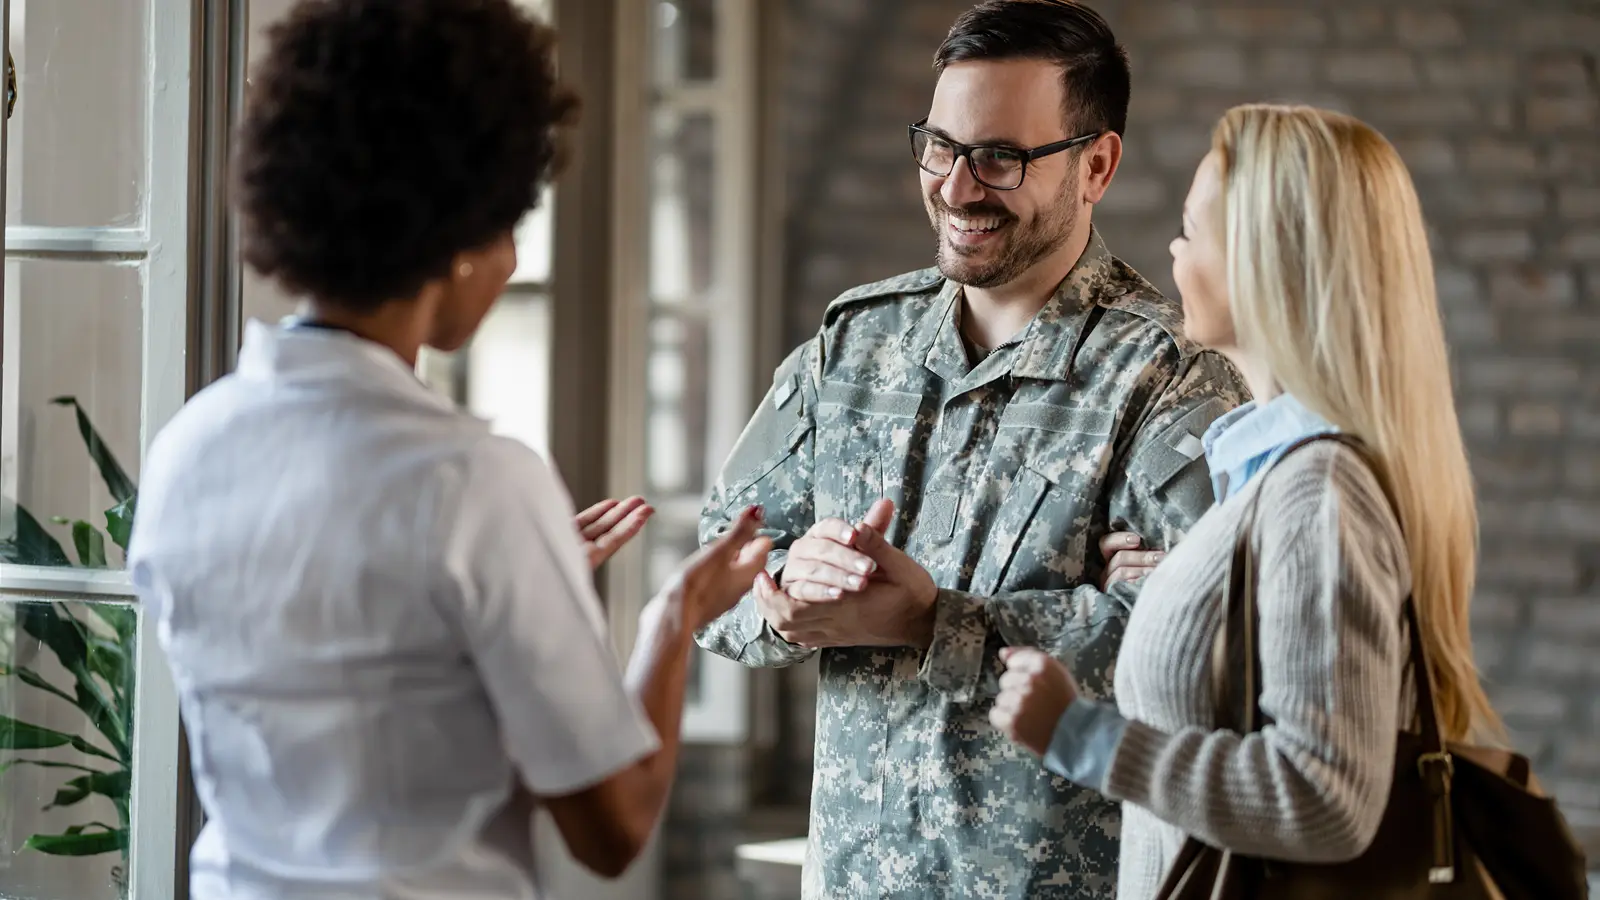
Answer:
(1131, 293)
(918, 282)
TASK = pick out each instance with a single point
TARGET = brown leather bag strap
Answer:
(1241, 619)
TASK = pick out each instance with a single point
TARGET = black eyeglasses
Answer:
(992, 165)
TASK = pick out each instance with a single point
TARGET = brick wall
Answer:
(1495, 106)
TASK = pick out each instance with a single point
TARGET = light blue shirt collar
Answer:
(1242, 442)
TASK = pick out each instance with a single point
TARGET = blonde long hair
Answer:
(1331, 285)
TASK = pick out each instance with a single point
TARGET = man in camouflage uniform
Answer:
(933, 500)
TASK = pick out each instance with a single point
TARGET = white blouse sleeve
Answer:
(534, 626)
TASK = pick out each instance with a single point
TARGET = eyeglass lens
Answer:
(997, 167)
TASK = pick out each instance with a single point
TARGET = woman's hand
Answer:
(712, 581)
(1034, 691)
(1124, 560)
(609, 524)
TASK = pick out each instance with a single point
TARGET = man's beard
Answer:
(1024, 246)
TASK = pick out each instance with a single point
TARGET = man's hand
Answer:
(825, 564)
(1034, 691)
(1124, 560)
(891, 608)
(609, 524)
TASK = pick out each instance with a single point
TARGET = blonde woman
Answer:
(1303, 258)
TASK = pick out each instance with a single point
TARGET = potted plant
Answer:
(96, 648)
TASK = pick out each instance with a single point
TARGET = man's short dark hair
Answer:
(383, 137)
(1094, 67)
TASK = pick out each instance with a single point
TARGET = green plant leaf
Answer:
(34, 679)
(83, 746)
(114, 785)
(68, 639)
(119, 522)
(41, 764)
(16, 735)
(83, 843)
(103, 716)
(62, 634)
(120, 617)
(108, 660)
(32, 545)
(75, 790)
(117, 481)
(90, 544)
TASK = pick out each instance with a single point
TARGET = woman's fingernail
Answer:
(835, 593)
(856, 584)
(864, 566)
(847, 535)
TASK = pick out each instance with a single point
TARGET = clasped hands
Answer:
(845, 585)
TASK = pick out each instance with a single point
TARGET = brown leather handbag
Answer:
(1462, 822)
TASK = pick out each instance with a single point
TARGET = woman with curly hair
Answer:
(379, 616)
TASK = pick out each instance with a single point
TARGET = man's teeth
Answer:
(974, 226)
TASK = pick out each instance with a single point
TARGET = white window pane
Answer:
(541, 8)
(86, 788)
(677, 396)
(72, 329)
(682, 197)
(508, 370)
(685, 46)
(76, 143)
(533, 241)
(438, 371)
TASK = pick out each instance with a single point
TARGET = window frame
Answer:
(740, 334)
(161, 243)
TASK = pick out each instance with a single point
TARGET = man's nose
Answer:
(960, 188)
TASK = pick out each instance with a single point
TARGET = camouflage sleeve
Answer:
(1160, 490)
(769, 466)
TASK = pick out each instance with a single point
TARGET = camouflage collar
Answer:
(1055, 333)
(1046, 348)
(934, 342)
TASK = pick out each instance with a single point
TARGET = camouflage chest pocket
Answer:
(1037, 539)
(855, 427)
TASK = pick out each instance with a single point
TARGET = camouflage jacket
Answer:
(1005, 475)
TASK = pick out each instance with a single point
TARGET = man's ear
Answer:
(1099, 165)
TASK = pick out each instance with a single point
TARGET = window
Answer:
(504, 375)
(688, 314)
(92, 364)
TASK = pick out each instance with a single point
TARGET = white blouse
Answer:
(379, 617)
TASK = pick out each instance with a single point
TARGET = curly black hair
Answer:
(383, 137)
